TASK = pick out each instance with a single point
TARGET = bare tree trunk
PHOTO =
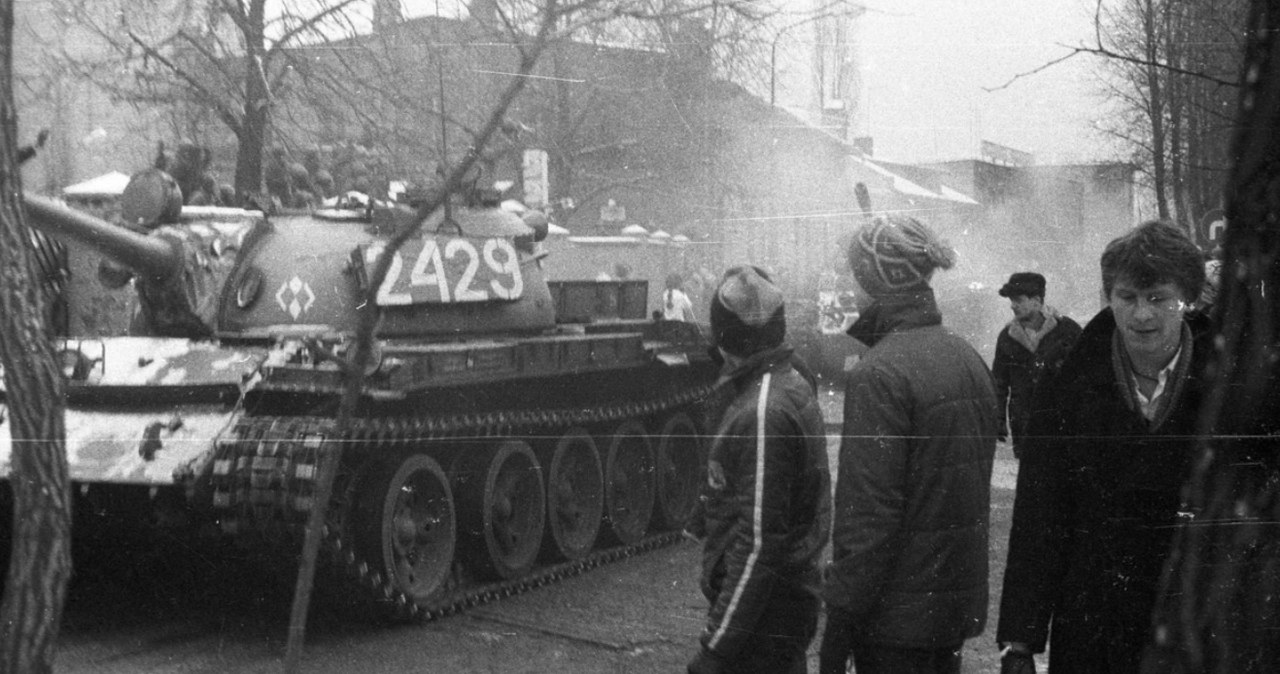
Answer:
(252, 133)
(1218, 610)
(1175, 92)
(1155, 109)
(40, 564)
(561, 164)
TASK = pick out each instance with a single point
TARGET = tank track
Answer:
(263, 482)
(470, 597)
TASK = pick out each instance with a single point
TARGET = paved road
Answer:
(639, 615)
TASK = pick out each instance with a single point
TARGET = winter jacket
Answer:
(1098, 500)
(909, 538)
(1017, 369)
(767, 498)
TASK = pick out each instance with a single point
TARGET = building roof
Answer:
(894, 180)
(910, 188)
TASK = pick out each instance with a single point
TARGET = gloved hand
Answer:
(837, 641)
(1014, 662)
(706, 662)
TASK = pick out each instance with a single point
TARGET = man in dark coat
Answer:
(1109, 447)
(767, 503)
(1033, 345)
(908, 581)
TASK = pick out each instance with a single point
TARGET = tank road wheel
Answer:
(406, 527)
(502, 508)
(680, 469)
(630, 483)
(575, 496)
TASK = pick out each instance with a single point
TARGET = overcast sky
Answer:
(926, 63)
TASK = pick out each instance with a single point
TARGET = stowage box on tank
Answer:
(497, 443)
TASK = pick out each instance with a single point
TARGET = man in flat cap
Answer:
(1030, 348)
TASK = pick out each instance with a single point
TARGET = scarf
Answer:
(1121, 366)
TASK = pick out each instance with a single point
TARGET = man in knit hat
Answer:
(908, 579)
(766, 510)
(1029, 349)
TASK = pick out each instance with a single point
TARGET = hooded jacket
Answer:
(909, 541)
(767, 500)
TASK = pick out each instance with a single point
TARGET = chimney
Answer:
(386, 13)
(690, 50)
(691, 44)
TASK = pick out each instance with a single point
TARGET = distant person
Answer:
(1212, 281)
(676, 305)
(766, 511)
(908, 579)
(1109, 446)
(1030, 347)
(190, 169)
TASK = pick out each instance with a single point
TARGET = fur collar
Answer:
(1031, 338)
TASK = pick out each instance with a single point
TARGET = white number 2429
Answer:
(443, 269)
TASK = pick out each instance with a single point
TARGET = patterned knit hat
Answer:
(896, 253)
(747, 312)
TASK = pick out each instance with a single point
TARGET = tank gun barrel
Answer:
(147, 255)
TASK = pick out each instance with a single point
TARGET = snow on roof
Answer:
(592, 240)
(635, 230)
(957, 196)
(902, 185)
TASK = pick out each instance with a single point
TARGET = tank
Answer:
(509, 432)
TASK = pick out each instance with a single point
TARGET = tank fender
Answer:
(145, 410)
(157, 446)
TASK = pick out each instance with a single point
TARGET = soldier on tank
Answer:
(189, 168)
(275, 175)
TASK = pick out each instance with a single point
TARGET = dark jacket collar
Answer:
(893, 313)
(1090, 360)
(758, 363)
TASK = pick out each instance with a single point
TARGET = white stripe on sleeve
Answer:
(757, 514)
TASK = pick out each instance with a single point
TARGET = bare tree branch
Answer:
(1039, 69)
(226, 114)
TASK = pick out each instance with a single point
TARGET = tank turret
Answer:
(205, 271)
(470, 271)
